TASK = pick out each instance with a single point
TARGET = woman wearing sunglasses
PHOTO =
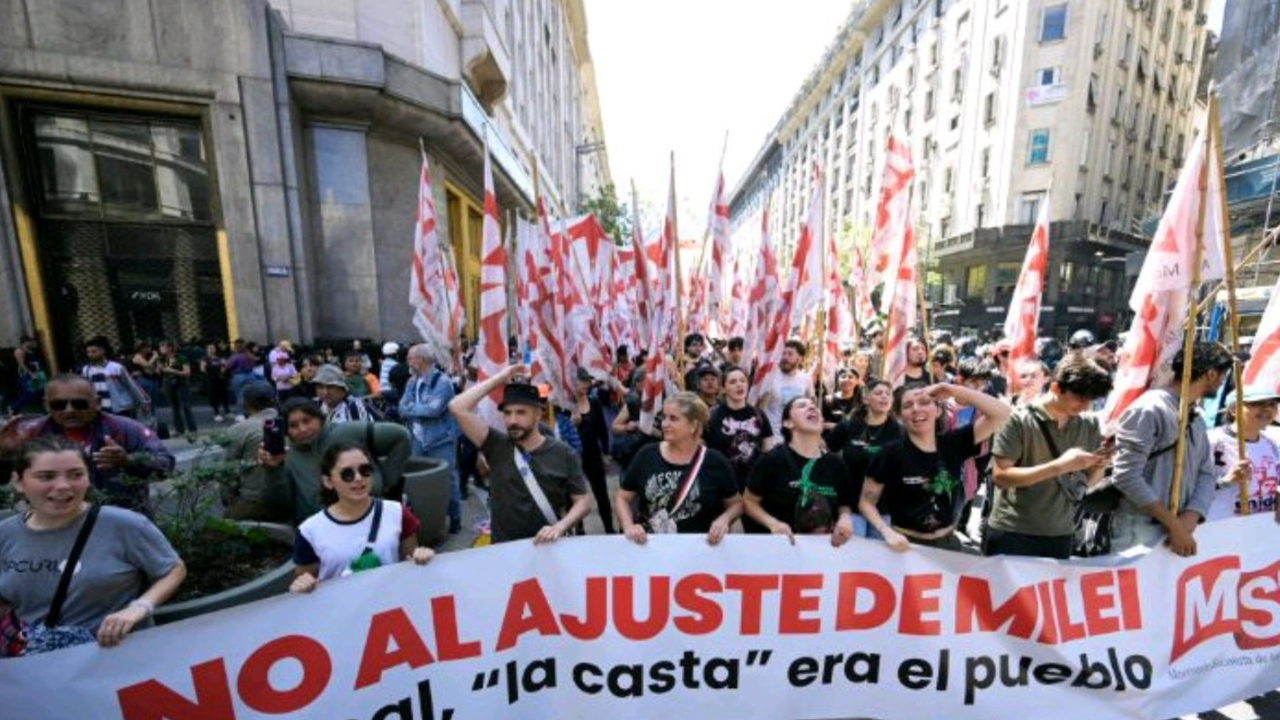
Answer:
(355, 531)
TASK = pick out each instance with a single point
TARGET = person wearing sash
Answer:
(536, 484)
(797, 487)
(355, 531)
(678, 485)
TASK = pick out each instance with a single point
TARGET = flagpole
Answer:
(1189, 333)
(924, 315)
(1268, 237)
(679, 308)
(822, 274)
(1237, 367)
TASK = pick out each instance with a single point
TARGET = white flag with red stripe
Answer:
(491, 356)
(1263, 370)
(805, 283)
(1024, 308)
(735, 314)
(1163, 289)
(765, 303)
(717, 287)
(864, 310)
(433, 285)
(653, 386)
(581, 246)
(901, 290)
(839, 320)
(891, 216)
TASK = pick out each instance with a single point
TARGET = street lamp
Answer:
(580, 151)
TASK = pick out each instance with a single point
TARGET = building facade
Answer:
(209, 169)
(1085, 104)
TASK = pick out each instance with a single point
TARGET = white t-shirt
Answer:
(334, 544)
(785, 388)
(1265, 456)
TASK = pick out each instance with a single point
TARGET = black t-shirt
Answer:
(855, 429)
(739, 435)
(776, 479)
(656, 484)
(924, 491)
(862, 443)
(836, 409)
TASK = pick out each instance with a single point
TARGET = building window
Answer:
(928, 104)
(989, 109)
(986, 162)
(1029, 207)
(975, 282)
(1053, 25)
(1007, 277)
(1067, 276)
(948, 180)
(1047, 76)
(957, 85)
(1038, 152)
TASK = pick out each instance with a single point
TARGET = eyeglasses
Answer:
(349, 474)
(62, 404)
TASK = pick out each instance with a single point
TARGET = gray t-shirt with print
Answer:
(124, 555)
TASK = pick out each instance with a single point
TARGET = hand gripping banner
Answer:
(752, 629)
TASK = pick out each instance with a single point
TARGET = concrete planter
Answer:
(271, 584)
(426, 488)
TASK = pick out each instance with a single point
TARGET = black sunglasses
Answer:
(349, 474)
(62, 404)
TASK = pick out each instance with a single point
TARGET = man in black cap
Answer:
(537, 484)
(708, 384)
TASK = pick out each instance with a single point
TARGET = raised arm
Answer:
(994, 411)
(463, 406)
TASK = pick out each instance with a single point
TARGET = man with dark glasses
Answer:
(116, 446)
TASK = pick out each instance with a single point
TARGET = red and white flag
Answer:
(433, 286)
(735, 314)
(581, 245)
(1024, 308)
(805, 282)
(720, 250)
(492, 340)
(893, 251)
(1263, 369)
(764, 303)
(901, 289)
(864, 310)
(1163, 289)
(653, 386)
(892, 215)
(839, 320)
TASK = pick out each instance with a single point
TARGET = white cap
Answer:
(390, 348)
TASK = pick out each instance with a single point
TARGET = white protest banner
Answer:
(753, 629)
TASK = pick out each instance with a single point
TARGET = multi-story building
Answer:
(221, 168)
(1087, 104)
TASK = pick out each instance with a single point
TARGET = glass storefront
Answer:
(124, 228)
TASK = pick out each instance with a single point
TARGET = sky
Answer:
(676, 75)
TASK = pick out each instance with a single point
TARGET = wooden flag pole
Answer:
(1189, 336)
(679, 309)
(1268, 237)
(924, 315)
(1237, 368)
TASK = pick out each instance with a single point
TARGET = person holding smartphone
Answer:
(245, 500)
(1048, 454)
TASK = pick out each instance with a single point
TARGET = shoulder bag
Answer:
(49, 635)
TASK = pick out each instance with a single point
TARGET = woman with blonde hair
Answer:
(679, 485)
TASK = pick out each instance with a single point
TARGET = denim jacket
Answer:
(425, 409)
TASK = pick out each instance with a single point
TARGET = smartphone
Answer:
(273, 436)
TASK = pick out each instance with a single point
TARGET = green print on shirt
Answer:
(943, 483)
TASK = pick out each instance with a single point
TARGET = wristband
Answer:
(145, 605)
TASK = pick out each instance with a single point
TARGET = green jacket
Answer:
(293, 488)
(240, 445)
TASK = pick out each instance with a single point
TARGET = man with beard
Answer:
(791, 382)
(538, 488)
(917, 356)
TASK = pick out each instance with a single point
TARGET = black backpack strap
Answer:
(377, 523)
(77, 549)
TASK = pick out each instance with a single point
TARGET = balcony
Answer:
(486, 64)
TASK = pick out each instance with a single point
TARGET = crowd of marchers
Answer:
(968, 453)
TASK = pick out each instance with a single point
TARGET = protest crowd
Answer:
(790, 426)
